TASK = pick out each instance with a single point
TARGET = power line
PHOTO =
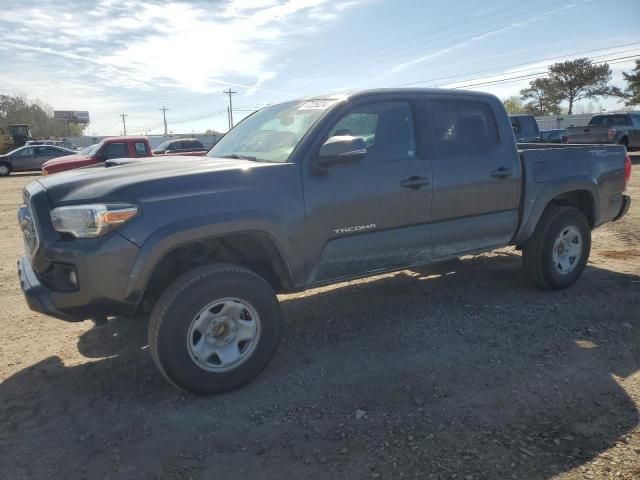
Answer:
(522, 64)
(451, 39)
(531, 75)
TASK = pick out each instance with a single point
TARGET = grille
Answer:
(28, 227)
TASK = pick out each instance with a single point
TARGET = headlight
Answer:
(88, 221)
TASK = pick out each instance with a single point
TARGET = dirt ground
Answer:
(457, 371)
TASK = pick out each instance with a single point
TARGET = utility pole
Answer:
(164, 116)
(230, 92)
(124, 124)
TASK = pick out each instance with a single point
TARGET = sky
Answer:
(135, 56)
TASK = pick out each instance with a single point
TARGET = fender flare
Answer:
(167, 238)
(534, 203)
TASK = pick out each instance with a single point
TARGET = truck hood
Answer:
(64, 160)
(148, 180)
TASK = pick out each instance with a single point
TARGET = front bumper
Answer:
(626, 203)
(37, 295)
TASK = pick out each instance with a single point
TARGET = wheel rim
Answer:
(4, 170)
(223, 335)
(567, 250)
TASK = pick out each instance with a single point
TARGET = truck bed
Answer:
(589, 134)
(549, 168)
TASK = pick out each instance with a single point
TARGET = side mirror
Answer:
(101, 157)
(341, 149)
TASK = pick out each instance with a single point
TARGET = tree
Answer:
(632, 92)
(543, 98)
(578, 79)
(513, 105)
(38, 115)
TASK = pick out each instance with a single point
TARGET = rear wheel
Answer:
(5, 169)
(215, 328)
(557, 252)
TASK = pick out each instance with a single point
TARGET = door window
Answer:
(140, 148)
(24, 153)
(463, 128)
(386, 128)
(46, 151)
(116, 150)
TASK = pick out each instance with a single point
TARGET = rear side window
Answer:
(636, 120)
(524, 126)
(463, 128)
(140, 148)
(116, 150)
(386, 128)
(191, 144)
(609, 120)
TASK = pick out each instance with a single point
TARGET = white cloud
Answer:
(136, 44)
(120, 53)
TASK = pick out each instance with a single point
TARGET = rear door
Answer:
(372, 214)
(24, 159)
(44, 153)
(476, 176)
(141, 149)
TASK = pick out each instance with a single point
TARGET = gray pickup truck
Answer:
(302, 194)
(616, 128)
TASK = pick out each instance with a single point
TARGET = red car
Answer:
(112, 147)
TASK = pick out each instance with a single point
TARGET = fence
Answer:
(154, 140)
(551, 122)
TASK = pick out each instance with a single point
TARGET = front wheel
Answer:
(557, 252)
(5, 169)
(215, 328)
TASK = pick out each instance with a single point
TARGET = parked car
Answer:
(303, 194)
(525, 128)
(58, 143)
(110, 148)
(553, 136)
(180, 145)
(617, 128)
(29, 158)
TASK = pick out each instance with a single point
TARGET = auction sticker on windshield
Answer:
(315, 105)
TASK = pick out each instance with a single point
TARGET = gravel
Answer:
(460, 370)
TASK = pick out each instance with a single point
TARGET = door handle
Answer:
(415, 182)
(502, 172)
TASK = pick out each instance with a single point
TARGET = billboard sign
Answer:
(72, 116)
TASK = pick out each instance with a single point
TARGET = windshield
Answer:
(86, 150)
(92, 150)
(272, 133)
(163, 145)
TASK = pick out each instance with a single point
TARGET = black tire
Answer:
(5, 169)
(172, 317)
(537, 252)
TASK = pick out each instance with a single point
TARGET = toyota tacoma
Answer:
(302, 194)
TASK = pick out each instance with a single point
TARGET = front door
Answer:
(23, 159)
(476, 177)
(370, 215)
